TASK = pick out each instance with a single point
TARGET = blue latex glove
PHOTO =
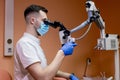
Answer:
(73, 77)
(68, 48)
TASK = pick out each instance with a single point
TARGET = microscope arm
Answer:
(93, 16)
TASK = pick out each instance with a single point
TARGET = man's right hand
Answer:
(68, 48)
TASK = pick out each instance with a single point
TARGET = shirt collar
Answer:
(32, 37)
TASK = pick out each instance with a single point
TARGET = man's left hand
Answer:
(73, 77)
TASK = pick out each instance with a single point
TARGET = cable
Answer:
(84, 33)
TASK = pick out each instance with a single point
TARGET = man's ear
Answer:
(33, 20)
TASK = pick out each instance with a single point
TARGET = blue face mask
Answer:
(43, 29)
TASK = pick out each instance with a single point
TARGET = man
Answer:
(30, 61)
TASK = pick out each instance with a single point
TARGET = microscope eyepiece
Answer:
(52, 24)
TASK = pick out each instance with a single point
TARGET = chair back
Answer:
(4, 75)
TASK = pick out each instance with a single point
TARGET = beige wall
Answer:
(71, 13)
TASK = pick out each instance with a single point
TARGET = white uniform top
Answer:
(28, 51)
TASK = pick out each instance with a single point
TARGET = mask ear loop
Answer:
(37, 21)
(81, 37)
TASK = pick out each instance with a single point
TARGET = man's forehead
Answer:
(42, 14)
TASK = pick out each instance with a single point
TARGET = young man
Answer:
(30, 61)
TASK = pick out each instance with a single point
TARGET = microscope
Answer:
(105, 42)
